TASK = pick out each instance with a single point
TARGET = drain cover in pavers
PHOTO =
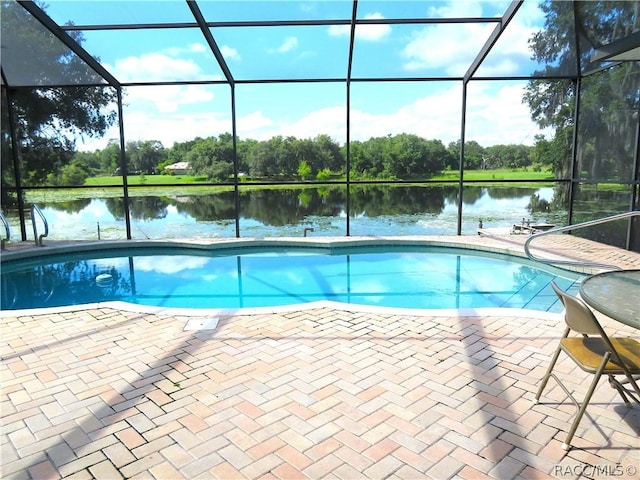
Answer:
(202, 324)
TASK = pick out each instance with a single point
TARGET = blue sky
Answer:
(429, 109)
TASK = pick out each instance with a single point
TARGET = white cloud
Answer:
(229, 52)
(170, 128)
(169, 264)
(155, 66)
(530, 14)
(498, 117)
(457, 8)
(177, 51)
(372, 32)
(511, 54)
(494, 116)
(363, 32)
(339, 30)
(504, 66)
(289, 44)
(165, 98)
(330, 121)
(255, 122)
(163, 113)
(160, 67)
(436, 116)
(451, 48)
(197, 48)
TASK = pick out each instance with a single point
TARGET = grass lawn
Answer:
(498, 174)
(144, 179)
(101, 186)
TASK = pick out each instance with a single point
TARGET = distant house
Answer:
(180, 168)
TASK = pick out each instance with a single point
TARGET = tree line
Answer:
(44, 118)
(402, 156)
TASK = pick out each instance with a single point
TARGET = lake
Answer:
(375, 210)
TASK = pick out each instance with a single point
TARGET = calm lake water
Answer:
(376, 210)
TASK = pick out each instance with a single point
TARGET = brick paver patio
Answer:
(324, 392)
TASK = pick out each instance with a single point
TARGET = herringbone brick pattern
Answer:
(309, 394)
(322, 393)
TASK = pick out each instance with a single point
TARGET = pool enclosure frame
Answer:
(602, 58)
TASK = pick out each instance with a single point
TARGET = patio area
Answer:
(321, 391)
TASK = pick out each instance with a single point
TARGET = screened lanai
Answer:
(214, 119)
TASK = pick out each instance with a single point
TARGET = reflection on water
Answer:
(392, 278)
(375, 210)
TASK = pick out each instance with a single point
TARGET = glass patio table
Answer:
(615, 294)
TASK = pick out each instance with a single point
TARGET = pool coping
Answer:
(326, 243)
(205, 316)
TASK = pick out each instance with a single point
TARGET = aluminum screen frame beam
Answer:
(64, 37)
(197, 14)
(493, 38)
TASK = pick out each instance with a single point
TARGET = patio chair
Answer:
(595, 353)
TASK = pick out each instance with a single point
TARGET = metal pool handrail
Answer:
(577, 226)
(35, 209)
(7, 229)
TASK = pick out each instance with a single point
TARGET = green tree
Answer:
(454, 155)
(144, 156)
(474, 154)
(286, 156)
(48, 119)
(245, 148)
(552, 153)
(212, 157)
(437, 157)
(110, 158)
(276, 156)
(331, 154)
(307, 151)
(324, 174)
(304, 170)
(261, 160)
(373, 151)
(360, 163)
(400, 156)
(74, 173)
(90, 159)
(179, 150)
(609, 99)
(403, 155)
(507, 156)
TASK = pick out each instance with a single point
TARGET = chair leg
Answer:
(574, 426)
(547, 375)
(615, 384)
(633, 389)
(626, 393)
(631, 380)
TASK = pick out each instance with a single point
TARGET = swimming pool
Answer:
(406, 276)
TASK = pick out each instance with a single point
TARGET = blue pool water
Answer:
(390, 276)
